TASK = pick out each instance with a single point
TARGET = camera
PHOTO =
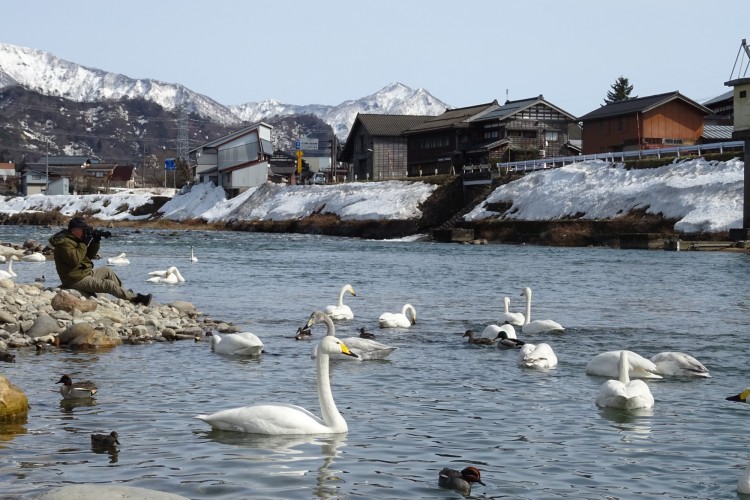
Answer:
(96, 234)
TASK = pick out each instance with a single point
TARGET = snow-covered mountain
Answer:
(49, 75)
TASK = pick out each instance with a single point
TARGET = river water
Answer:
(435, 402)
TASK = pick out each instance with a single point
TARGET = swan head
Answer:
(350, 289)
(526, 292)
(741, 397)
(316, 317)
(332, 345)
(410, 308)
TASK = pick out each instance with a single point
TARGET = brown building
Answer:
(653, 122)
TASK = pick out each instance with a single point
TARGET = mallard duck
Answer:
(104, 440)
(365, 335)
(303, 333)
(477, 341)
(83, 389)
(459, 480)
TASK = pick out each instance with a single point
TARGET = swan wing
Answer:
(542, 326)
(162, 274)
(339, 312)
(393, 320)
(539, 356)
(239, 345)
(515, 319)
(269, 419)
(679, 364)
(367, 348)
(605, 365)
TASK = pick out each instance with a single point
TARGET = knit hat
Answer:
(78, 222)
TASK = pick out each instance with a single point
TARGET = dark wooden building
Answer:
(376, 148)
(653, 122)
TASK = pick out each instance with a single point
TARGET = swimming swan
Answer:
(341, 311)
(539, 325)
(34, 257)
(398, 320)
(170, 277)
(624, 393)
(193, 258)
(365, 349)
(606, 364)
(679, 364)
(286, 419)
(238, 344)
(512, 318)
(120, 260)
(9, 273)
(536, 356)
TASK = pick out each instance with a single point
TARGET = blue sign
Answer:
(296, 145)
(169, 164)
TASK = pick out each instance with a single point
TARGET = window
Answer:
(550, 136)
(743, 94)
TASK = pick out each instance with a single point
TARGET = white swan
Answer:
(34, 257)
(536, 356)
(9, 273)
(398, 320)
(679, 364)
(743, 485)
(539, 325)
(120, 260)
(169, 276)
(624, 393)
(287, 419)
(365, 349)
(512, 318)
(193, 258)
(493, 331)
(238, 344)
(606, 364)
(341, 310)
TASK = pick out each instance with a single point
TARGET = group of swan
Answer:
(169, 276)
(669, 363)
(342, 311)
(9, 273)
(119, 260)
(288, 419)
(364, 348)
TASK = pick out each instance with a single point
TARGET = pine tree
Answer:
(621, 90)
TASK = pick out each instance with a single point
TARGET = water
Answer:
(435, 402)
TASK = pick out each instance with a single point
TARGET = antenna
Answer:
(506, 95)
(741, 53)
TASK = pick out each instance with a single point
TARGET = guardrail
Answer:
(560, 161)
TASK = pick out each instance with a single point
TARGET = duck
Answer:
(40, 279)
(104, 440)
(365, 335)
(365, 349)
(165, 273)
(119, 260)
(536, 356)
(506, 338)
(277, 419)
(540, 325)
(606, 364)
(9, 273)
(237, 344)
(303, 333)
(459, 480)
(512, 318)
(741, 397)
(623, 393)
(679, 364)
(34, 257)
(193, 258)
(477, 341)
(79, 390)
(398, 320)
(341, 311)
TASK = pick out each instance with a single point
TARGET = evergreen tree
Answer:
(621, 90)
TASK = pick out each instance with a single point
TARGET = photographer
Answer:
(74, 249)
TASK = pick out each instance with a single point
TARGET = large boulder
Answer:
(73, 331)
(95, 339)
(43, 325)
(13, 402)
(67, 302)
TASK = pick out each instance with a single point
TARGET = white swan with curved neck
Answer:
(512, 318)
(365, 349)
(9, 273)
(624, 393)
(120, 260)
(537, 356)
(193, 258)
(341, 310)
(169, 276)
(237, 344)
(285, 419)
(539, 325)
(398, 320)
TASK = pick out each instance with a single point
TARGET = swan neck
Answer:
(341, 296)
(624, 367)
(506, 302)
(330, 329)
(328, 410)
(528, 309)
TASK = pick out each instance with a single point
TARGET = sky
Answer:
(702, 196)
(330, 51)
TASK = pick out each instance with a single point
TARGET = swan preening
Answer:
(398, 320)
(512, 318)
(287, 419)
(193, 258)
(237, 344)
(79, 390)
(341, 310)
(34, 257)
(536, 356)
(364, 348)
(679, 364)
(606, 364)
(623, 393)
(169, 276)
(119, 260)
(539, 325)
(459, 480)
(9, 273)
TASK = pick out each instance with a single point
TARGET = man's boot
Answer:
(142, 299)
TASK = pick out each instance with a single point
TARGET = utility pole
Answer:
(46, 175)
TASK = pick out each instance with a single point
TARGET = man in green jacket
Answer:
(74, 250)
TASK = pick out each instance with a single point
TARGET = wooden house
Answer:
(375, 147)
(653, 122)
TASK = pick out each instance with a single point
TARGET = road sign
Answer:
(307, 143)
(169, 164)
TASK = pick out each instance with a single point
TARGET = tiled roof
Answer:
(389, 125)
(122, 173)
(452, 118)
(510, 108)
(723, 97)
(639, 104)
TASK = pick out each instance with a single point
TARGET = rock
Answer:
(94, 340)
(97, 492)
(67, 302)
(43, 325)
(7, 357)
(73, 331)
(7, 284)
(183, 306)
(6, 317)
(13, 402)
